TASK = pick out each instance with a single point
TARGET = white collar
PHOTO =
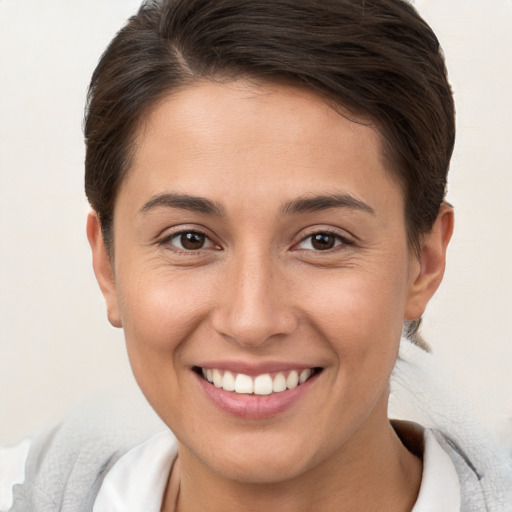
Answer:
(137, 481)
(440, 486)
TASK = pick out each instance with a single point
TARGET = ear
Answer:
(102, 266)
(428, 269)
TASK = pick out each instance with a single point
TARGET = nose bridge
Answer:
(253, 306)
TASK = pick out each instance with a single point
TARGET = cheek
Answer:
(356, 304)
(360, 314)
(159, 311)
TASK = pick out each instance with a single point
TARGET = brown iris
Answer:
(323, 241)
(192, 240)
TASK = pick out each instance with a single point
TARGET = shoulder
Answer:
(421, 392)
(65, 465)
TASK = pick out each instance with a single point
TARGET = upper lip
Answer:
(253, 369)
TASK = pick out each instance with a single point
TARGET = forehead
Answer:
(277, 108)
(216, 137)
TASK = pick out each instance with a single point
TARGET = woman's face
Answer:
(259, 232)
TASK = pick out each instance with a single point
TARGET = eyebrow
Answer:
(183, 202)
(307, 204)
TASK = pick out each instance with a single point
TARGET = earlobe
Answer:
(429, 268)
(102, 266)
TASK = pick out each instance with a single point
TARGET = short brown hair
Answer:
(376, 58)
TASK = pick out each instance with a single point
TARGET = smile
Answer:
(264, 384)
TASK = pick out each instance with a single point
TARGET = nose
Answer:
(254, 306)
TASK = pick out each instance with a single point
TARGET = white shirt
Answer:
(138, 479)
(440, 486)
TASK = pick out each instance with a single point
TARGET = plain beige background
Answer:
(57, 351)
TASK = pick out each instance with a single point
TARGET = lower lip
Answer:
(254, 406)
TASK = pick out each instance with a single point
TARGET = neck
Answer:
(374, 467)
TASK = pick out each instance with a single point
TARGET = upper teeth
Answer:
(260, 385)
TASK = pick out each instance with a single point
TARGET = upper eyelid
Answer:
(342, 239)
(172, 231)
(302, 235)
(164, 239)
(313, 230)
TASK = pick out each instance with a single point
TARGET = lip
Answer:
(250, 406)
(255, 369)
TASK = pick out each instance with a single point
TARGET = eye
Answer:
(190, 241)
(322, 241)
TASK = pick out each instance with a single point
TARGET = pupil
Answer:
(192, 240)
(323, 241)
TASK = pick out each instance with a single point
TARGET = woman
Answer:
(267, 181)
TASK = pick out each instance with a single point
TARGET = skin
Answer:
(259, 290)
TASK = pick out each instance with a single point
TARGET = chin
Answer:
(260, 458)
(263, 469)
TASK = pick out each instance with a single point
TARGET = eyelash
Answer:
(168, 240)
(339, 241)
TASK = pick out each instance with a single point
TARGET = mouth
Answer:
(262, 384)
